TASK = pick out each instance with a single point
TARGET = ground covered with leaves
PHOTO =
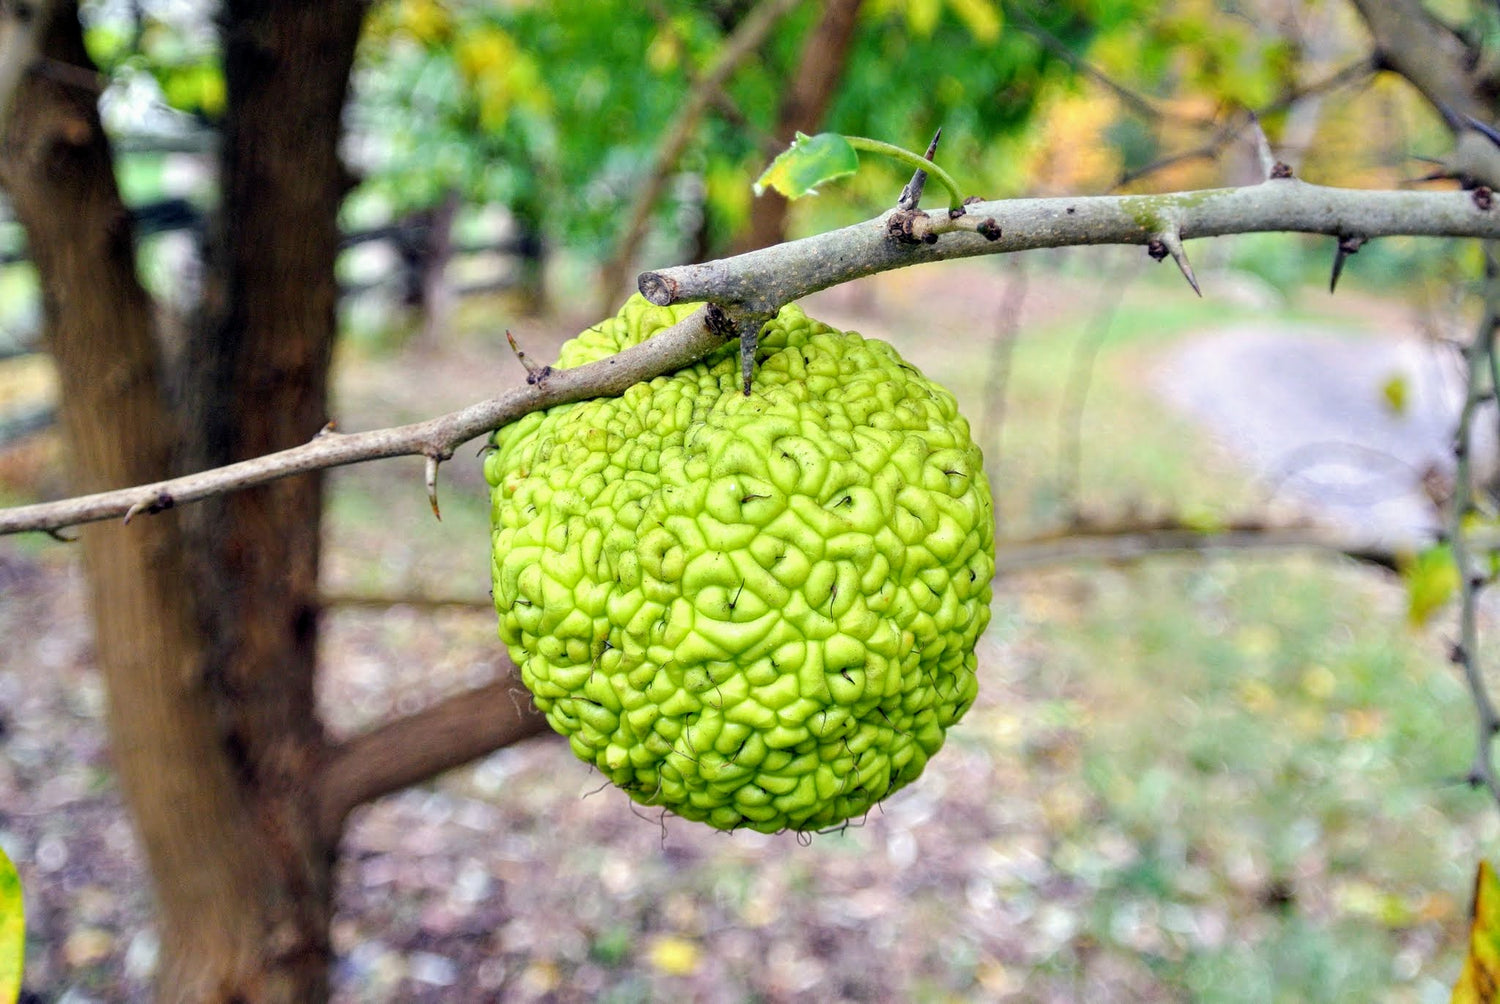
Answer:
(1223, 779)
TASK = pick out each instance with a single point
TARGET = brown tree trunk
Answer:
(212, 720)
(803, 108)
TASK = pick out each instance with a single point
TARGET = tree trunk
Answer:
(802, 110)
(211, 712)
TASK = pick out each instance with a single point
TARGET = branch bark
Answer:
(422, 745)
(768, 278)
(763, 281)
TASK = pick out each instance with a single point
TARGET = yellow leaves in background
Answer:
(12, 931)
(428, 21)
(1479, 982)
(982, 17)
(501, 75)
(1395, 393)
(1067, 150)
(674, 956)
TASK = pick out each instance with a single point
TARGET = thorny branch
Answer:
(1461, 506)
(760, 282)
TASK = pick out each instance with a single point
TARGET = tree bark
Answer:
(211, 711)
(802, 110)
(257, 381)
(214, 903)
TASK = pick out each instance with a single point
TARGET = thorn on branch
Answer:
(431, 480)
(911, 195)
(534, 374)
(1281, 171)
(1268, 162)
(749, 334)
(328, 430)
(160, 502)
(1169, 243)
(57, 535)
(1346, 247)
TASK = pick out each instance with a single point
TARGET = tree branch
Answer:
(422, 745)
(1135, 541)
(768, 278)
(761, 282)
(1466, 653)
(436, 438)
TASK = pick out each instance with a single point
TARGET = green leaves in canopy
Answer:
(12, 931)
(809, 162)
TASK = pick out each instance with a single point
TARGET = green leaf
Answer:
(12, 931)
(807, 163)
(1481, 973)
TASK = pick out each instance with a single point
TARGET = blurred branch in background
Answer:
(749, 36)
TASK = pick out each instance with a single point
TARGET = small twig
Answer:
(417, 601)
(1466, 652)
(767, 278)
(1263, 152)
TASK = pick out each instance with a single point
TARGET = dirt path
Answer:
(1348, 423)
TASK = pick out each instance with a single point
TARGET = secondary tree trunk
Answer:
(207, 636)
(803, 108)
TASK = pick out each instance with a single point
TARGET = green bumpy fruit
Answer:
(754, 611)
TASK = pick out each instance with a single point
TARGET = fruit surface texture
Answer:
(755, 611)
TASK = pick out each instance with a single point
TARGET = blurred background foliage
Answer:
(540, 121)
